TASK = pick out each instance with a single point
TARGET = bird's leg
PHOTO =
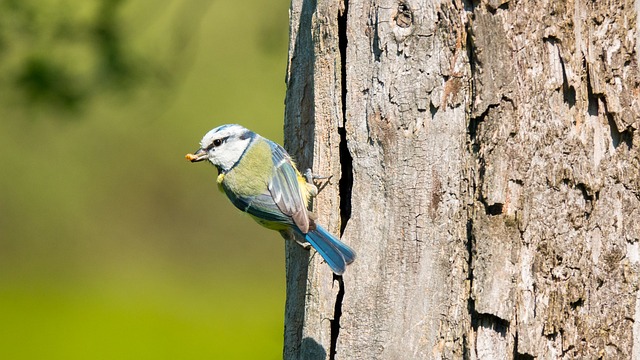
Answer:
(289, 234)
(311, 182)
(312, 218)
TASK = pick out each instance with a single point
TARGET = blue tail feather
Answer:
(336, 253)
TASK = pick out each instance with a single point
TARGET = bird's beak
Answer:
(199, 155)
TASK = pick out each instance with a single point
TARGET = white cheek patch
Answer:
(228, 154)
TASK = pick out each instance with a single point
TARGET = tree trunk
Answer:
(486, 170)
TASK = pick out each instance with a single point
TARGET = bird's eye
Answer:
(216, 143)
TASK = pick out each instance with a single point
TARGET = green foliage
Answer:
(111, 244)
(59, 54)
(156, 321)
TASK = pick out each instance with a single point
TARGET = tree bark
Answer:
(485, 167)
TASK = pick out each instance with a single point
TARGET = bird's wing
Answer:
(261, 206)
(285, 190)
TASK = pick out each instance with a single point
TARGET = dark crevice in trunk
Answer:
(474, 121)
(470, 250)
(490, 321)
(337, 312)
(594, 101)
(618, 137)
(493, 209)
(568, 91)
(346, 160)
(346, 180)
(474, 149)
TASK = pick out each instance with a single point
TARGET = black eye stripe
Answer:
(217, 142)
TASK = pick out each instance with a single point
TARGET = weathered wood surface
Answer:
(313, 116)
(486, 168)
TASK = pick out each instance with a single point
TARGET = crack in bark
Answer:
(346, 160)
(377, 52)
(471, 306)
(589, 198)
(592, 99)
(337, 312)
(477, 116)
(493, 209)
(346, 180)
(478, 319)
(493, 322)
(523, 356)
(472, 129)
(568, 91)
(617, 137)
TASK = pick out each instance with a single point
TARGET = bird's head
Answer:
(223, 146)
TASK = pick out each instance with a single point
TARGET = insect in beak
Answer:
(199, 155)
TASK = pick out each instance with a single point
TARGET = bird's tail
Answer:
(336, 253)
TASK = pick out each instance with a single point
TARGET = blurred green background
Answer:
(112, 245)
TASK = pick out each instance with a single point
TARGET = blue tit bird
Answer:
(259, 178)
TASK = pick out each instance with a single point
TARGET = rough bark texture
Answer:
(312, 120)
(486, 168)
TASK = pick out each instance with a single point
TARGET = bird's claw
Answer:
(312, 185)
(310, 176)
